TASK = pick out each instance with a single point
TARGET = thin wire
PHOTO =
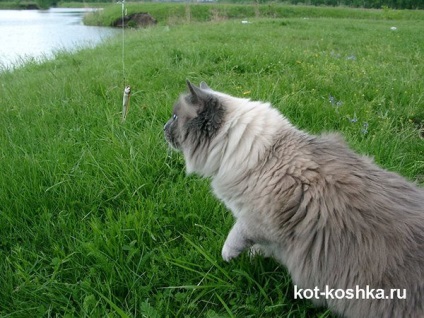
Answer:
(123, 40)
(127, 90)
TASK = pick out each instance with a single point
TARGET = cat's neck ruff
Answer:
(248, 132)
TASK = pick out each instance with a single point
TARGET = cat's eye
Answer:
(174, 117)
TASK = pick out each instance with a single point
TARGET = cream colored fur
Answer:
(331, 216)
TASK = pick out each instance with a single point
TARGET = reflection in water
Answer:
(38, 34)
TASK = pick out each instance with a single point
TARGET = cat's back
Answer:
(346, 208)
(363, 182)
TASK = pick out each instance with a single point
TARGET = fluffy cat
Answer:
(331, 216)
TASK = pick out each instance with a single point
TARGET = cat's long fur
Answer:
(333, 217)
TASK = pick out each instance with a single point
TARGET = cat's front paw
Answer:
(228, 253)
(255, 250)
(260, 250)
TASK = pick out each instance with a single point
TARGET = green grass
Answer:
(97, 217)
(179, 13)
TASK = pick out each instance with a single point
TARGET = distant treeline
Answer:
(375, 4)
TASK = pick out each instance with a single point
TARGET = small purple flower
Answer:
(333, 101)
(354, 119)
(334, 54)
(364, 129)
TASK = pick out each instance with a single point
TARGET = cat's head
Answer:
(197, 117)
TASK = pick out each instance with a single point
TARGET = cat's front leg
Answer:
(236, 242)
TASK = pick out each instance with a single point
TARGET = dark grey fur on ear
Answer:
(191, 88)
(198, 96)
(197, 93)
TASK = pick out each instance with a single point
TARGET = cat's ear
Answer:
(203, 85)
(194, 91)
(197, 94)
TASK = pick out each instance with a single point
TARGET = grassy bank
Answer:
(97, 217)
(180, 13)
(22, 5)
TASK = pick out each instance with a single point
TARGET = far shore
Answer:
(34, 6)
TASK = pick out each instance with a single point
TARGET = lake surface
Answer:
(37, 34)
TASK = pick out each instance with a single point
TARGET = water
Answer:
(37, 34)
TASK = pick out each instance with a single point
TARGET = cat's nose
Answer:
(165, 126)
